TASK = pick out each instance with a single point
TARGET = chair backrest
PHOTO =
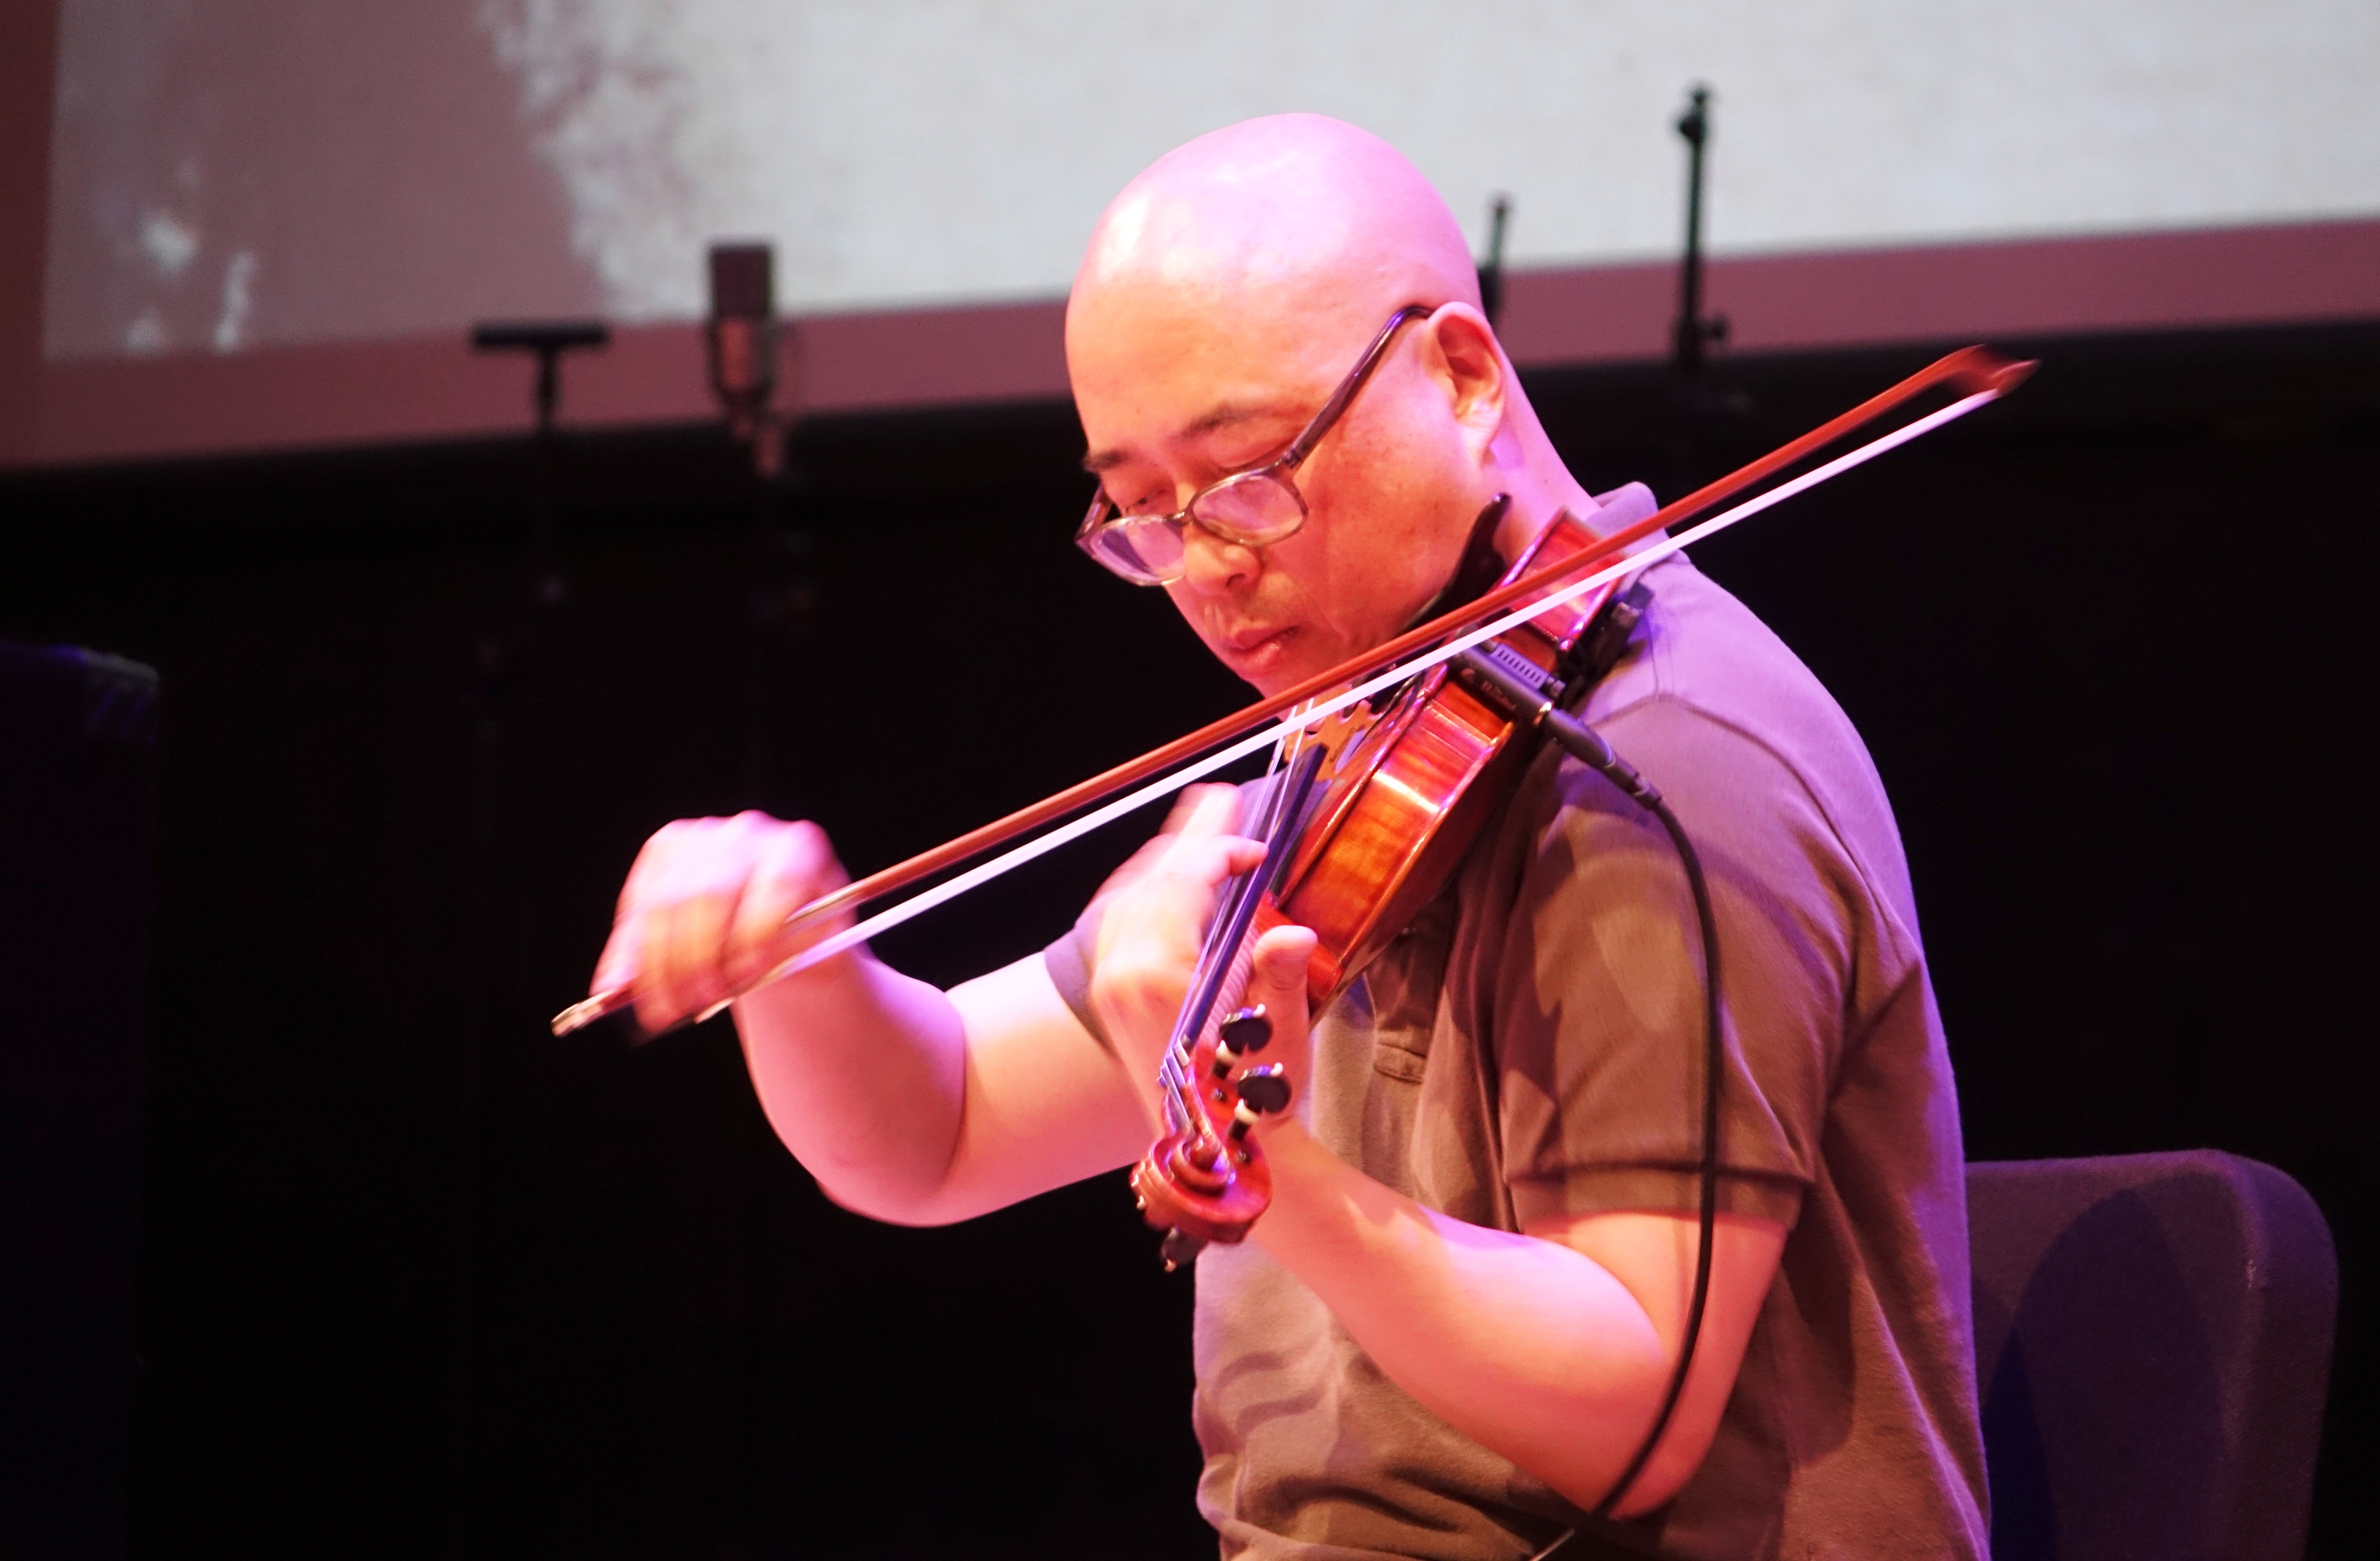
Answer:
(2153, 1339)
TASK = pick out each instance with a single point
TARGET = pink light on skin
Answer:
(1224, 294)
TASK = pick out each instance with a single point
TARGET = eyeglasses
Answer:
(1253, 509)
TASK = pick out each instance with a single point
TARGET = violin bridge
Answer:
(1342, 736)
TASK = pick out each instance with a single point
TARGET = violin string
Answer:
(1166, 785)
(1288, 805)
(1281, 793)
(1173, 1069)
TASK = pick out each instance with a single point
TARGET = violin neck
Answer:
(1224, 963)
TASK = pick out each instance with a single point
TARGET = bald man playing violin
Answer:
(1456, 1323)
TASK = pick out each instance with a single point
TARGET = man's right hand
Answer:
(702, 915)
(906, 1104)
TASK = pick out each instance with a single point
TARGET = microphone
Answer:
(742, 337)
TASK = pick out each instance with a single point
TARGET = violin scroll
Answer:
(1208, 1180)
(1193, 1188)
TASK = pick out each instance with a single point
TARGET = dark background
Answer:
(417, 1278)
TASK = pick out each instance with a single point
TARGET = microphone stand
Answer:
(1692, 332)
(1491, 270)
(549, 339)
(506, 704)
(1691, 335)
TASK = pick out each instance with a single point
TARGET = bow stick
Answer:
(1990, 375)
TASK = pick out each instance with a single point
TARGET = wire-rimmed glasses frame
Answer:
(1251, 508)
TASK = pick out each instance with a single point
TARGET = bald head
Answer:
(1225, 294)
(1294, 216)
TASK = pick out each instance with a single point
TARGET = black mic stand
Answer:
(1692, 332)
(549, 339)
(1491, 270)
(503, 700)
(1700, 403)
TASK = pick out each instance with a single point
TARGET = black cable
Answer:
(1584, 743)
(1714, 1059)
(1529, 697)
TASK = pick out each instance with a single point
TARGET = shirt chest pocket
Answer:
(1401, 1000)
(1392, 1059)
(1391, 1105)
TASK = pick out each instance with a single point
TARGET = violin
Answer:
(1364, 825)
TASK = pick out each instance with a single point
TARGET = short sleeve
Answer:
(1593, 985)
(1068, 961)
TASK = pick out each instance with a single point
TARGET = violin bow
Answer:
(1983, 375)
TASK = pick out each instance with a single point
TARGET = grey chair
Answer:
(2153, 1339)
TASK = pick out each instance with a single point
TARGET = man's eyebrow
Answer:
(1225, 416)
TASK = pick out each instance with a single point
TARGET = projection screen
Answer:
(235, 175)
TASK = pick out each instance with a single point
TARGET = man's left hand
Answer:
(1277, 980)
(1150, 932)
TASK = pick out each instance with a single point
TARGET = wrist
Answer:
(1309, 1184)
(841, 986)
(1286, 1137)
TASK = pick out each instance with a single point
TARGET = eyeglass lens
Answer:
(1251, 509)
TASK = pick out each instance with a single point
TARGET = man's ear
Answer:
(1470, 369)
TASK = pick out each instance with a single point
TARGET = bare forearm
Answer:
(1526, 1346)
(862, 1071)
(907, 1104)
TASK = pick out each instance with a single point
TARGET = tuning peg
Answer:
(1247, 1031)
(1263, 1091)
(1266, 1088)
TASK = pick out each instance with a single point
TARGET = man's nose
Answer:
(1214, 567)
